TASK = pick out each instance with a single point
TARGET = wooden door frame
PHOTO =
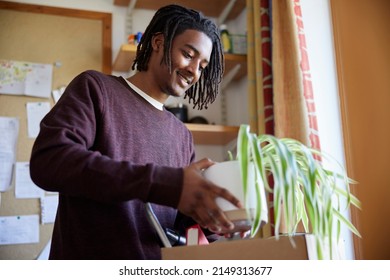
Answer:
(357, 243)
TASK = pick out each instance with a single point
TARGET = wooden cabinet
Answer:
(203, 134)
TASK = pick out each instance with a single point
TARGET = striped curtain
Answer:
(294, 109)
(306, 80)
(281, 99)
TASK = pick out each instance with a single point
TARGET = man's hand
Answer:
(198, 199)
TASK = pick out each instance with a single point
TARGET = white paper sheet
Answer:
(44, 255)
(19, 229)
(57, 93)
(49, 206)
(35, 113)
(9, 130)
(24, 186)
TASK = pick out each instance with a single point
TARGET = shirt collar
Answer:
(158, 105)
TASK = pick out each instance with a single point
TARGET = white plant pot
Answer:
(227, 175)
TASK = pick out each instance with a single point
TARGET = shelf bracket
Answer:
(222, 17)
(230, 76)
(131, 6)
(129, 18)
(225, 82)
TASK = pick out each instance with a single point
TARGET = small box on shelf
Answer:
(239, 43)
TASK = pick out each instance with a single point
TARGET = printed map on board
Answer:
(25, 78)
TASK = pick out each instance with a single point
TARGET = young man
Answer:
(109, 146)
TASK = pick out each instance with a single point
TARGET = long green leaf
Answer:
(303, 189)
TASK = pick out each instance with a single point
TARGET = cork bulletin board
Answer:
(74, 41)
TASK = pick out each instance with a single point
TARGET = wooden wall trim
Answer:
(344, 119)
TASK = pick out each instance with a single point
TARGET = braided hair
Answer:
(173, 20)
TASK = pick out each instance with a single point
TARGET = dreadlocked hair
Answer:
(173, 20)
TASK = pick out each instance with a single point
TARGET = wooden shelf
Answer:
(207, 134)
(124, 58)
(126, 54)
(211, 8)
(231, 60)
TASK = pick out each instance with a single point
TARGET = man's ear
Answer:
(158, 42)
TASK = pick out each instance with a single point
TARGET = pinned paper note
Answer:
(44, 255)
(35, 113)
(49, 206)
(9, 130)
(24, 186)
(19, 229)
(57, 93)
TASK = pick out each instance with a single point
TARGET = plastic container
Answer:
(225, 38)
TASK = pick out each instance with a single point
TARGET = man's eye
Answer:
(187, 55)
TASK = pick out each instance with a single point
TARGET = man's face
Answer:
(190, 54)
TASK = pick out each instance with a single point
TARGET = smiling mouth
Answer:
(187, 80)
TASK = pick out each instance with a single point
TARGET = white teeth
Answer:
(187, 80)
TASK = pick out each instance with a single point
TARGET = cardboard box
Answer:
(248, 249)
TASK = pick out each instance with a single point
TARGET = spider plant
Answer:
(304, 191)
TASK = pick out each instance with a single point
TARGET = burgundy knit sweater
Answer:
(106, 150)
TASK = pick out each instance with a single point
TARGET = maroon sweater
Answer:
(106, 151)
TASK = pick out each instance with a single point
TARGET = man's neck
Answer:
(143, 82)
(154, 102)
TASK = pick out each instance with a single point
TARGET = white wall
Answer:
(237, 92)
